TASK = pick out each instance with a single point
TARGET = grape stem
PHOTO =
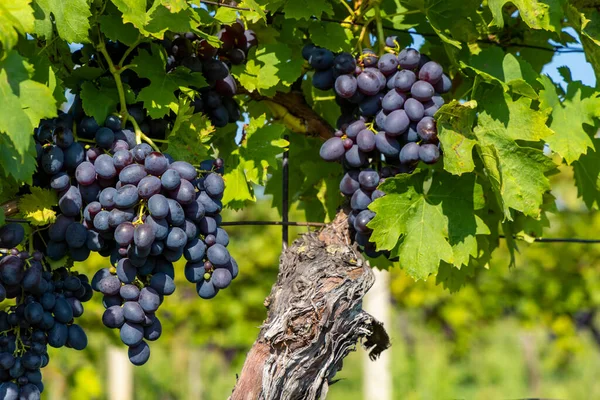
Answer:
(350, 10)
(127, 52)
(116, 75)
(139, 135)
(380, 34)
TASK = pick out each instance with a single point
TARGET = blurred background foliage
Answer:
(514, 332)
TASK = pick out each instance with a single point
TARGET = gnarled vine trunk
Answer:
(315, 319)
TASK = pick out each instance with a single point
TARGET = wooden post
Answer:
(120, 374)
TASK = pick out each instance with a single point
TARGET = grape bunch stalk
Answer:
(142, 209)
(46, 304)
(387, 125)
(215, 100)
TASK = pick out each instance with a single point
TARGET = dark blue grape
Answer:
(113, 317)
(94, 241)
(70, 202)
(176, 238)
(194, 250)
(60, 181)
(85, 174)
(76, 235)
(77, 339)
(307, 50)
(221, 278)
(113, 122)
(215, 70)
(109, 285)
(368, 179)
(366, 140)
(117, 216)
(349, 183)
(156, 163)
(127, 196)
(361, 221)
(162, 283)
(73, 156)
(170, 180)
(149, 186)
(132, 174)
(131, 334)
(160, 227)
(90, 193)
(354, 128)
(176, 215)
(368, 82)
(354, 157)
(158, 206)
(207, 226)
(12, 234)
(139, 354)
(323, 80)
(154, 330)
(222, 237)
(87, 128)
(427, 130)
(206, 289)
(143, 236)
(185, 193)
(218, 255)
(185, 169)
(371, 105)
(52, 159)
(404, 80)
(345, 86)
(344, 63)
(105, 168)
(132, 311)
(104, 138)
(321, 59)
(443, 85)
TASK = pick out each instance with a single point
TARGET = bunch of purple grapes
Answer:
(46, 305)
(387, 125)
(143, 210)
(199, 55)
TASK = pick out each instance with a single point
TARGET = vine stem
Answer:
(117, 76)
(380, 34)
(350, 10)
(128, 51)
(139, 135)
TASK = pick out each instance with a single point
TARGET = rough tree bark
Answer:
(315, 319)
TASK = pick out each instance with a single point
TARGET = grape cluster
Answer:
(199, 55)
(46, 304)
(387, 125)
(142, 209)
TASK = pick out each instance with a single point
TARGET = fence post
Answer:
(120, 374)
(377, 376)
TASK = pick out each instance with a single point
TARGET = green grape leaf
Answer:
(453, 20)
(23, 102)
(98, 102)
(113, 28)
(175, 5)
(421, 228)
(16, 17)
(134, 11)
(260, 149)
(36, 207)
(453, 278)
(570, 140)
(545, 14)
(455, 131)
(517, 172)
(255, 7)
(188, 139)
(20, 167)
(162, 19)
(237, 188)
(161, 92)
(586, 20)
(71, 18)
(307, 9)
(587, 176)
(226, 15)
(331, 36)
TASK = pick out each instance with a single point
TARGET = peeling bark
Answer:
(315, 319)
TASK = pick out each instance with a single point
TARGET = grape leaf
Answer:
(23, 102)
(188, 138)
(331, 36)
(536, 14)
(421, 227)
(36, 207)
(570, 140)
(306, 9)
(453, 278)
(517, 172)
(134, 11)
(260, 148)
(16, 17)
(255, 7)
(20, 167)
(98, 102)
(453, 20)
(113, 28)
(587, 176)
(586, 20)
(455, 131)
(162, 19)
(237, 189)
(71, 18)
(158, 96)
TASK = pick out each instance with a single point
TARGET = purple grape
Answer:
(149, 186)
(388, 64)
(122, 158)
(430, 108)
(414, 109)
(368, 82)
(104, 166)
(348, 143)
(380, 119)
(443, 85)
(361, 221)
(156, 163)
(332, 149)
(369, 58)
(393, 100)
(344, 63)
(354, 157)
(124, 234)
(366, 140)
(427, 130)
(409, 58)
(409, 153)
(349, 183)
(85, 173)
(132, 174)
(321, 59)
(396, 123)
(323, 80)
(387, 145)
(126, 196)
(360, 200)
(345, 86)
(368, 179)
(370, 106)
(411, 134)
(422, 91)
(431, 72)
(429, 153)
